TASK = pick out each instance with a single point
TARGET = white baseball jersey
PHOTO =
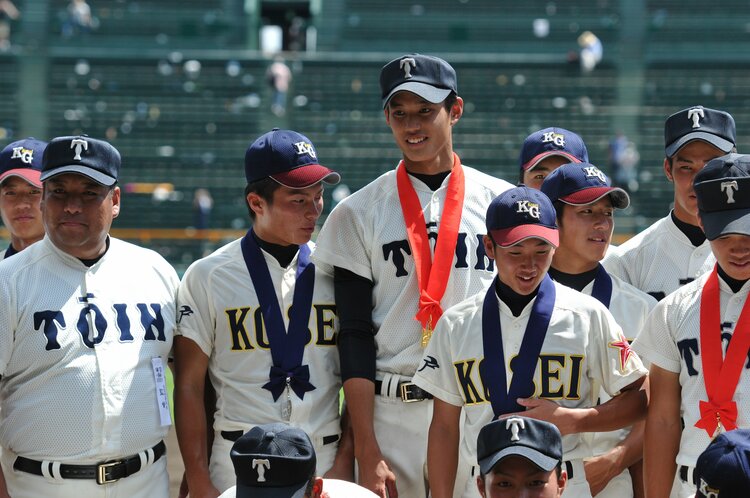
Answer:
(670, 339)
(80, 349)
(583, 348)
(366, 234)
(660, 259)
(219, 310)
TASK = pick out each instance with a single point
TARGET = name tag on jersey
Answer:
(162, 400)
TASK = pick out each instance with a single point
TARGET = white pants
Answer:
(150, 482)
(621, 486)
(680, 488)
(578, 486)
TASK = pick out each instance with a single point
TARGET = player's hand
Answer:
(183, 492)
(376, 475)
(343, 471)
(566, 419)
(599, 471)
(209, 491)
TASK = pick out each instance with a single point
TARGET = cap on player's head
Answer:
(538, 441)
(723, 469)
(23, 159)
(552, 142)
(723, 191)
(699, 123)
(289, 158)
(90, 157)
(579, 184)
(521, 213)
(273, 461)
(430, 77)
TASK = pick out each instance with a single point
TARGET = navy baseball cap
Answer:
(289, 158)
(273, 461)
(23, 159)
(538, 441)
(723, 191)
(699, 123)
(579, 184)
(723, 469)
(430, 77)
(552, 142)
(90, 157)
(521, 213)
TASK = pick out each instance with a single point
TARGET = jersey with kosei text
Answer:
(670, 339)
(583, 348)
(219, 311)
(77, 351)
(366, 234)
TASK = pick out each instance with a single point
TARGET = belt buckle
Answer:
(101, 472)
(405, 391)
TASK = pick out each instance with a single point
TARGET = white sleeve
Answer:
(7, 324)
(435, 372)
(344, 242)
(656, 342)
(196, 318)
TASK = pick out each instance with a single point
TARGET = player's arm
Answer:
(663, 431)
(442, 448)
(3, 487)
(603, 468)
(356, 345)
(343, 463)
(191, 365)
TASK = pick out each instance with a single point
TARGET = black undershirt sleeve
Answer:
(356, 342)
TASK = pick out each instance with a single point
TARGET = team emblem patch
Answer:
(429, 362)
(79, 145)
(261, 465)
(407, 63)
(594, 172)
(305, 148)
(625, 350)
(730, 188)
(515, 425)
(185, 310)
(556, 138)
(25, 155)
(695, 115)
(532, 208)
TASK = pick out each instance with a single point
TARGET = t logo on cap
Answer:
(514, 424)
(729, 188)
(406, 64)
(25, 155)
(526, 206)
(79, 145)
(696, 114)
(261, 464)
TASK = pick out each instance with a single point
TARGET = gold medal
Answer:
(718, 430)
(426, 334)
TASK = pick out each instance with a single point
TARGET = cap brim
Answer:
(296, 491)
(307, 176)
(430, 93)
(507, 237)
(731, 221)
(715, 140)
(31, 176)
(95, 175)
(620, 198)
(544, 462)
(531, 164)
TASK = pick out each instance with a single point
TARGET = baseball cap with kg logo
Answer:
(521, 213)
(23, 159)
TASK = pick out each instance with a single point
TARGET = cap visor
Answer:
(620, 198)
(529, 165)
(732, 221)
(95, 175)
(296, 491)
(544, 462)
(511, 236)
(430, 93)
(715, 140)
(307, 176)
(32, 176)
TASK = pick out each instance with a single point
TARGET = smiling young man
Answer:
(546, 150)
(674, 250)
(260, 319)
(544, 348)
(697, 339)
(585, 202)
(21, 193)
(403, 248)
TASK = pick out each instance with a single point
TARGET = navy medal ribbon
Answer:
(287, 347)
(492, 369)
(602, 289)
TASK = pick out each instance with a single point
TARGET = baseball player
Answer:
(21, 193)
(86, 323)
(546, 150)
(722, 469)
(405, 246)
(697, 339)
(520, 456)
(560, 345)
(260, 318)
(673, 251)
(585, 202)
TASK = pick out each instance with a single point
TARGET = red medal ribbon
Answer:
(721, 375)
(432, 278)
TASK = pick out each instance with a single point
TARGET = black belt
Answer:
(684, 471)
(104, 472)
(408, 391)
(235, 435)
(569, 469)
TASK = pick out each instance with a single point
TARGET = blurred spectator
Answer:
(203, 203)
(279, 76)
(8, 12)
(79, 19)
(591, 51)
(623, 162)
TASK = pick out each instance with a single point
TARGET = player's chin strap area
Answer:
(103, 473)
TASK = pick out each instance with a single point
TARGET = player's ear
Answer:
(668, 169)
(256, 203)
(317, 488)
(489, 246)
(480, 485)
(457, 110)
(115, 202)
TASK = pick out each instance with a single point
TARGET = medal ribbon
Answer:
(602, 289)
(492, 369)
(432, 278)
(287, 347)
(721, 376)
